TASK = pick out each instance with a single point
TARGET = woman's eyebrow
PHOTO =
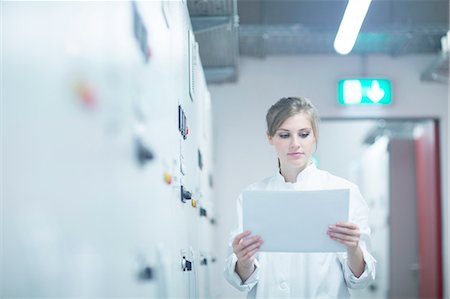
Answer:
(304, 129)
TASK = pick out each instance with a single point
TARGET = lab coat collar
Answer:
(310, 168)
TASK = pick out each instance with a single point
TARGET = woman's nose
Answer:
(295, 142)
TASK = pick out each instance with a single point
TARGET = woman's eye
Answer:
(304, 134)
(284, 136)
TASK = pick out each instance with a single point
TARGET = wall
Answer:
(241, 150)
(91, 152)
(446, 207)
(331, 136)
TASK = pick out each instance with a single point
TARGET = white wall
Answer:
(341, 143)
(242, 153)
(447, 206)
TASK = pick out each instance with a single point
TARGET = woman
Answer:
(292, 128)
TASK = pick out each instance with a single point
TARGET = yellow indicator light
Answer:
(167, 178)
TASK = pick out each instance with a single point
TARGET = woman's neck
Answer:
(290, 174)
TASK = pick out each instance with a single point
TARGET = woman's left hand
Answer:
(346, 233)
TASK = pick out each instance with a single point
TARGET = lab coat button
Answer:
(284, 285)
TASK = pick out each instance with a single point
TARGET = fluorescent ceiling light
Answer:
(354, 15)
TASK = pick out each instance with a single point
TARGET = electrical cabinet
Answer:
(107, 152)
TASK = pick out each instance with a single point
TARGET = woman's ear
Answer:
(269, 138)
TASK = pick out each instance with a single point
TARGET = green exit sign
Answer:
(364, 92)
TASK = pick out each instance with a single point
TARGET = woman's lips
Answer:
(296, 154)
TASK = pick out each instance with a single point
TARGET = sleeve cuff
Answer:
(366, 277)
(233, 278)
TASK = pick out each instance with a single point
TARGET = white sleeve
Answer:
(233, 278)
(359, 214)
(230, 264)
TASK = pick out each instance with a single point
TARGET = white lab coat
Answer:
(305, 275)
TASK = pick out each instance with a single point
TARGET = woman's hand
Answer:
(346, 233)
(245, 250)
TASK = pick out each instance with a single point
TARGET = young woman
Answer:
(292, 128)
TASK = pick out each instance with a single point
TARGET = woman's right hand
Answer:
(246, 249)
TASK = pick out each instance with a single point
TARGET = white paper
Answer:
(295, 221)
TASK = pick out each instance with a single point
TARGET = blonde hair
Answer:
(287, 107)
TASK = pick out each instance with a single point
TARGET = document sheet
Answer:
(295, 221)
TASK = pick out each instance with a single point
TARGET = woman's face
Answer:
(294, 141)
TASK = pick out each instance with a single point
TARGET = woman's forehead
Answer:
(297, 121)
